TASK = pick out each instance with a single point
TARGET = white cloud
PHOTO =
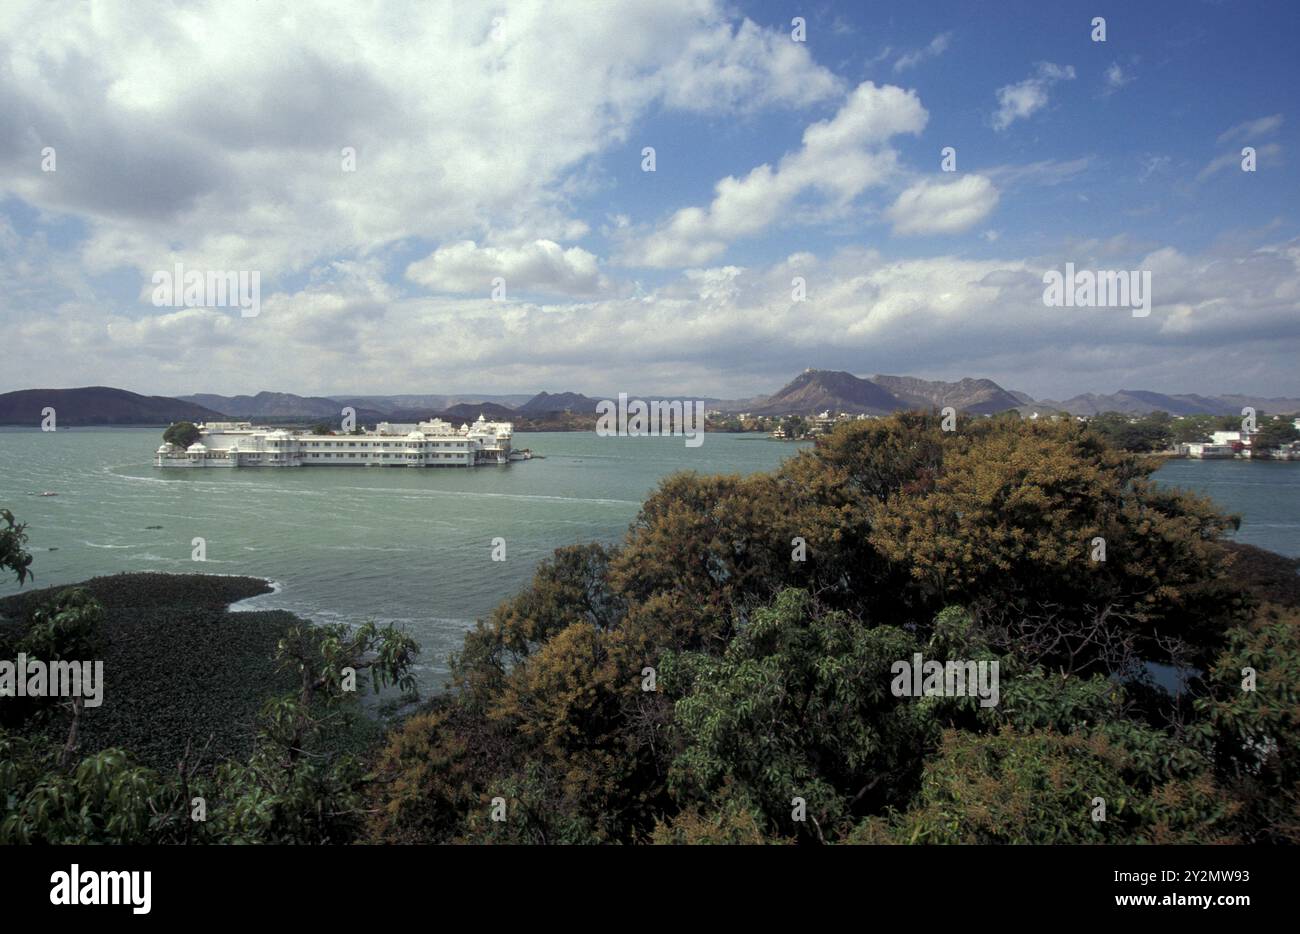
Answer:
(1252, 128)
(744, 68)
(943, 207)
(1152, 164)
(1264, 155)
(1048, 172)
(1022, 100)
(1115, 78)
(839, 159)
(936, 47)
(541, 266)
(716, 330)
(226, 151)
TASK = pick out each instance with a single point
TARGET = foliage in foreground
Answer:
(770, 718)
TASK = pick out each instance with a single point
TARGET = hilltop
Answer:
(98, 405)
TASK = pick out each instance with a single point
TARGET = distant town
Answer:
(1271, 437)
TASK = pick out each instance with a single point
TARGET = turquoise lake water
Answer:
(415, 546)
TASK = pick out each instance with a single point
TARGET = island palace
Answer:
(433, 443)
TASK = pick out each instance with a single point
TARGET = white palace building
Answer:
(433, 443)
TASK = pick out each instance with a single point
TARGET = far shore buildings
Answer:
(433, 443)
(1224, 444)
(822, 424)
(1205, 450)
(1220, 444)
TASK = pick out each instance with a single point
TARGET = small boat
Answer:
(49, 493)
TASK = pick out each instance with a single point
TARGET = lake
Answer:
(415, 546)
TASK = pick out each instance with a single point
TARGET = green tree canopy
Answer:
(1275, 433)
(182, 434)
(13, 547)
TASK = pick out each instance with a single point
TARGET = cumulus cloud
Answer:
(1024, 99)
(839, 159)
(943, 207)
(219, 132)
(744, 68)
(717, 330)
(541, 266)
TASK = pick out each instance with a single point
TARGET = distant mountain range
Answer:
(392, 408)
(816, 391)
(975, 396)
(1141, 402)
(809, 393)
(97, 405)
(103, 405)
(545, 402)
(267, 404)
(427, 403)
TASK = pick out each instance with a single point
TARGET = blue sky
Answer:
(506, 141)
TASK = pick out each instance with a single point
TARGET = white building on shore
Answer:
(433, 443)
(1205, 450)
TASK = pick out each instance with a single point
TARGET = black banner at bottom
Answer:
(341, 884)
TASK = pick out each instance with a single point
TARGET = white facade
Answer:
(432, 443)
(1199, 450)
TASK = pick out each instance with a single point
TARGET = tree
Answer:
(570, 587)
(1274, 433)
(1195, 429)
(182, 434)
(13, 547)
(828, 497)
(796, 426)
(104, 799)
(1043, 787)
(799, 706)
(1250, 723)
(709, 549)
(1151, 432)
(328, 660)
(1010, 526)
(67, 628)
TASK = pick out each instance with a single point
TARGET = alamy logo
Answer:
(946, 679)
(178, 288)
(1103, 288)
(637, 419)
(103, 888)
(31, 677)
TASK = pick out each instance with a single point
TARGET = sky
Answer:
(445, 197)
